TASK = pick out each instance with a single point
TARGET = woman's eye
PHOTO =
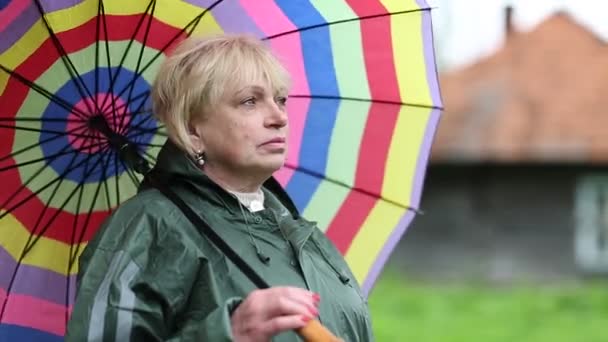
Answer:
(281, 100)
(249, 101)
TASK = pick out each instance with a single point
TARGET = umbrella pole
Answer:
(126, 150)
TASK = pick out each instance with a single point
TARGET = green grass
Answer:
(421, 312)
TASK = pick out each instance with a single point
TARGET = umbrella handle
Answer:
(314, 331)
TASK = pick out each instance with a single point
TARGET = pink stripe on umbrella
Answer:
(34, 313)
(11, 12)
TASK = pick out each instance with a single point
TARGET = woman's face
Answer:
(247, 131)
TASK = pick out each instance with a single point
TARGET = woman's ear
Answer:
(195, 135)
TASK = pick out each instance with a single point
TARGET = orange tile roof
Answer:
(542, 97)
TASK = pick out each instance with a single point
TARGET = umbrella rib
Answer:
(63, 152)
(143, 111)
(139, 111)
(104, 170)
(130, 86)
(102, 13)
(357, 99)
(342, 21)
(138, 127)
(30, 243)
(65, 59)
(115, 108)
(189, 28)
(97, 41)
(47, 94)
(139, 60)
(359, 190)
(148, 144)
(144, 94)
(62, 207)
(128, 127)
(74, 228)
(151, 158)
(150, 130)
(127, 130)
(38, 144)
(86, 222)
(116, 176)
(143, 131)
(49, 131)
(130, 174)
(133, 176)
(75, 223)
(35, 119)
(72, 238)
(198, 18)
(15, 271)
(28, 181)
(114, 76)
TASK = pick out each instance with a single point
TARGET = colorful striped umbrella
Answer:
(75, 73)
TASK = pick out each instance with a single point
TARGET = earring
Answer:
(200, 158)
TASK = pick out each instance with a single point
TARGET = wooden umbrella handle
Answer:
(314, 331)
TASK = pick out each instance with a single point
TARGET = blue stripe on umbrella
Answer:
(69, 93)
(321, 117)
(10, 332)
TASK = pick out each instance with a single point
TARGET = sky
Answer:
(467, 30)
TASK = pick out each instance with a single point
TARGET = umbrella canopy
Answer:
(75, 77)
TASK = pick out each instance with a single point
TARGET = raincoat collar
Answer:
(175, 165)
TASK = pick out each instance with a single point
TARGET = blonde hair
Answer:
(192, 80)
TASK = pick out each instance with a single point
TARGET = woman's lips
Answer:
(275, 141)
(276, 144)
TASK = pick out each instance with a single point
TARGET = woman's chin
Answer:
(271, 164)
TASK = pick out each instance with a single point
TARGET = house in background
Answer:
(515, 187)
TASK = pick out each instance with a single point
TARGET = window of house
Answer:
(591, 226)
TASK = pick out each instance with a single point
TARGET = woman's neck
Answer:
(233, 182)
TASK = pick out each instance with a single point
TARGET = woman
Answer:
(149, 275)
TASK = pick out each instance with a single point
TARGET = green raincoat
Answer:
(149, 275)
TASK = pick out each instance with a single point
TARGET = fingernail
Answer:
(314, 312)
(305, 319)
(316, 297)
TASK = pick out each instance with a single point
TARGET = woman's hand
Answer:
(265, 313)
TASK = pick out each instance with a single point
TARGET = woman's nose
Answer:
(277, 117)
